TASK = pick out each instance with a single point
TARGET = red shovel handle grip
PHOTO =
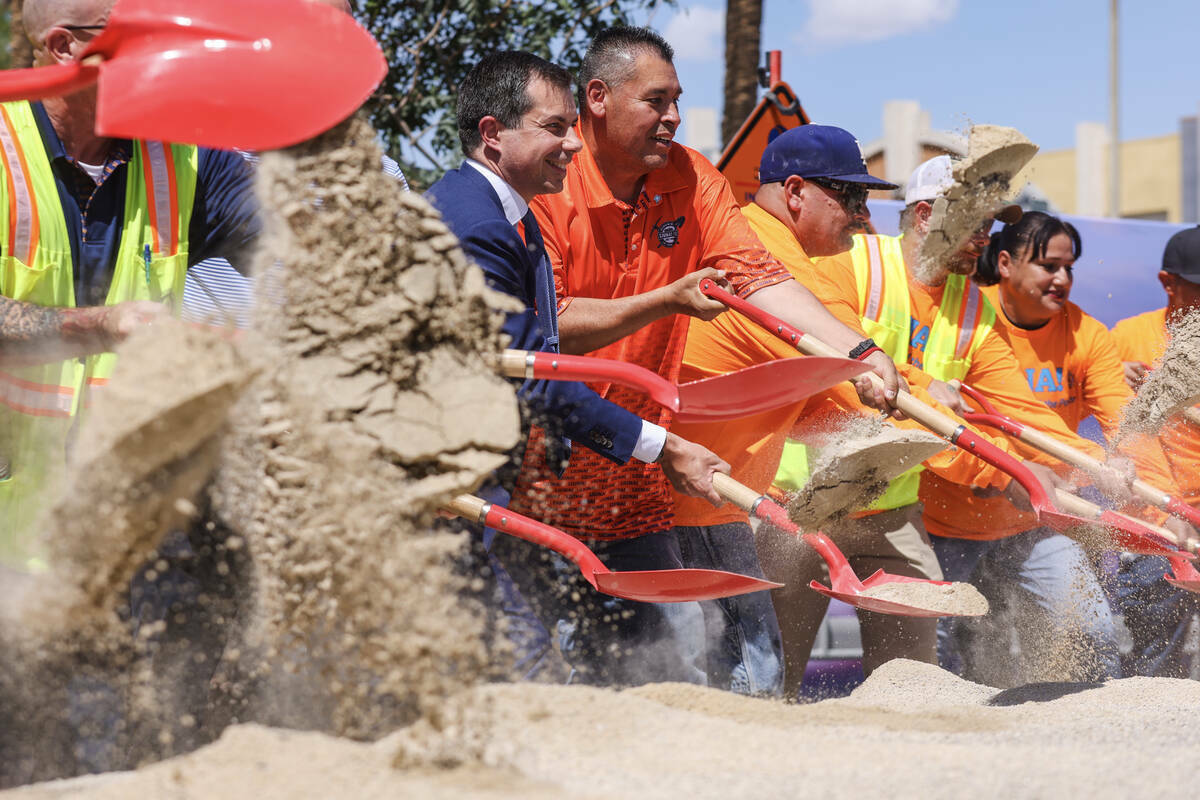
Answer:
(841, 574)
(752, 502)
(559, 367)
(36, 83)
(973, 443)
(978, 399)
(481, 512)
(533, 531)
(1183, 510)
(781, 329)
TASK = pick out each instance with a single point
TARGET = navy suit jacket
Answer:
(472, 210)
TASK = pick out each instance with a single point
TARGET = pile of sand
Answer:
(853, 465)
(995, 155)
(912, 730)
(1172, 386)
(951, 599)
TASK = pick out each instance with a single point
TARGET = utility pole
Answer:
(1114, 108)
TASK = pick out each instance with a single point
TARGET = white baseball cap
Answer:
(934, 178)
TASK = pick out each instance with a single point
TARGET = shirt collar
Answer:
(515, 207)
(669, 178)
(120, 151)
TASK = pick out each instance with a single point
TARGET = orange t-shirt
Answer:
(753, 445)
(1144, 338)
(1071, 365)
(684, 219)
(952, 508)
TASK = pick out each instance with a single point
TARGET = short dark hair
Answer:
(1032, 232)
(611, 54)
(498, 87)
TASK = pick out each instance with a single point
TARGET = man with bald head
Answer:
(96, 239)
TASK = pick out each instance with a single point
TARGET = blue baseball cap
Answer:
(817, 151)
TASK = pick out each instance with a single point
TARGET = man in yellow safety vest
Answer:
(96, 236)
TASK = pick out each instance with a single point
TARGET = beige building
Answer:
(1160, 177)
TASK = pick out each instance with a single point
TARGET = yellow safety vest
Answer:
(962, 323)
(40, 404)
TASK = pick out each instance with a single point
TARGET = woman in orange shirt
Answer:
(1071, 365)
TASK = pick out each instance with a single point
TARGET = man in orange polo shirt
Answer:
(640, 222)
(814, 187)
(1156, 613)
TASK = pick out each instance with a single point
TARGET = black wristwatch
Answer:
(862, 347)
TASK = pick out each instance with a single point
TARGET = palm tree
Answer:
(743, 24)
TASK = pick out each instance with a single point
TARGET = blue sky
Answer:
(1038, 66)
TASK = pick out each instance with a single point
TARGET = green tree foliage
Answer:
(430, 45)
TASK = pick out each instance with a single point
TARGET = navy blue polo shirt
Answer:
(224, 216)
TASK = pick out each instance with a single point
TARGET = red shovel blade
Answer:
(878, 604)
(1183, 574)
(678, 585)
(763, 387)
(845, 585)
(256, 75)
(648, 586)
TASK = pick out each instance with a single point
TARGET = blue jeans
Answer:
(1040, 584)
(745, 654)
(1157, 615)
(610, 641)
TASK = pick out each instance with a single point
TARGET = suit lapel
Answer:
(547, 298)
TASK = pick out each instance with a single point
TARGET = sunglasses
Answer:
(852, 196)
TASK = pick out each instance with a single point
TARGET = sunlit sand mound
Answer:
(912, 730)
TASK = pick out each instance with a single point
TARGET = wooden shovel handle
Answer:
(739, 494)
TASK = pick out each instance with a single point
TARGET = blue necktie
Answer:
(558, 448)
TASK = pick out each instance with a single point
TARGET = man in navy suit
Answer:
(516, 118)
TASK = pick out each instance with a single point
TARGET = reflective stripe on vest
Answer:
(961, 324)
(159, 172)
(22, 203)
(35, 399)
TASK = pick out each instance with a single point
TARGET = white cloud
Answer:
(835, 22)
(697, 34)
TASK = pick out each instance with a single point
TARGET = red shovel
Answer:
(991, 417)
(648, 586)
(1183, 574)
(1125, 533)
(255, 74)
(737, 394)
(845, 584)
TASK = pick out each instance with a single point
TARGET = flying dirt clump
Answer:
(381, 403)
(995, 155)
(853, 466)
(1172, 386)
